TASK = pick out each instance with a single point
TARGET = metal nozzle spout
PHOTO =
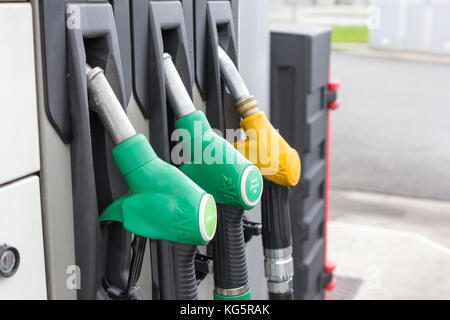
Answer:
(232, 77)
(104, 102)
(179, 98)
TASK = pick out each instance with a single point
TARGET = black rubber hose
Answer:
(276, 225)
(275, 216)
(230, 265)
(177, 280)
(281, 296)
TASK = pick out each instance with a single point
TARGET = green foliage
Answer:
(350, 34)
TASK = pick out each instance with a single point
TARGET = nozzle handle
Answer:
(230, 265)
(176, 268)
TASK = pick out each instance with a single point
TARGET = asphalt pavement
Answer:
(392, 133)
(390, 177)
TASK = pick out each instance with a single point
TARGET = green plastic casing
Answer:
(216, 166)
(245, 296)
(164, 204)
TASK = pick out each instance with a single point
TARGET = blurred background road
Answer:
(390, 155)
(390, 176)
(393, 129)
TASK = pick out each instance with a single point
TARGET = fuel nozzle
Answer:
(164, 204)
(280, 164)
(265, 147)
(235, 183)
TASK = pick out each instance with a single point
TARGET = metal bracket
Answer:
(203, 266)
(251, 229)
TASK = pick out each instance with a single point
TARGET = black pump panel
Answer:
(55, 20)
(300, 59)
(75, 34)
(123, 26)
(203, 36)
(159, 27)
(216, 24)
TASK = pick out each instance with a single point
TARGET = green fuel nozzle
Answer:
(214, 164)
(164, 204)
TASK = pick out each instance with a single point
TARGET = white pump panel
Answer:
(19, 146)
(21, 228)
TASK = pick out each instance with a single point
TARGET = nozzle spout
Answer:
(104, 102)
(232, 77)
(179, 99)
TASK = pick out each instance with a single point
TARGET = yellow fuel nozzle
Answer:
(264, 147)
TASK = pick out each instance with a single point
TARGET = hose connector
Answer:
(247, 107)
(278, 264)
(279, 270)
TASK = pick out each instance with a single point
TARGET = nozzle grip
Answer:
(230, 266)
(177, 261)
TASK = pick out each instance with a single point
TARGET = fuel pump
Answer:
(163, 204)
(281, 168)
(235, 183)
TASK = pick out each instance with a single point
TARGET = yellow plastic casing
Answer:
(266, 149)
